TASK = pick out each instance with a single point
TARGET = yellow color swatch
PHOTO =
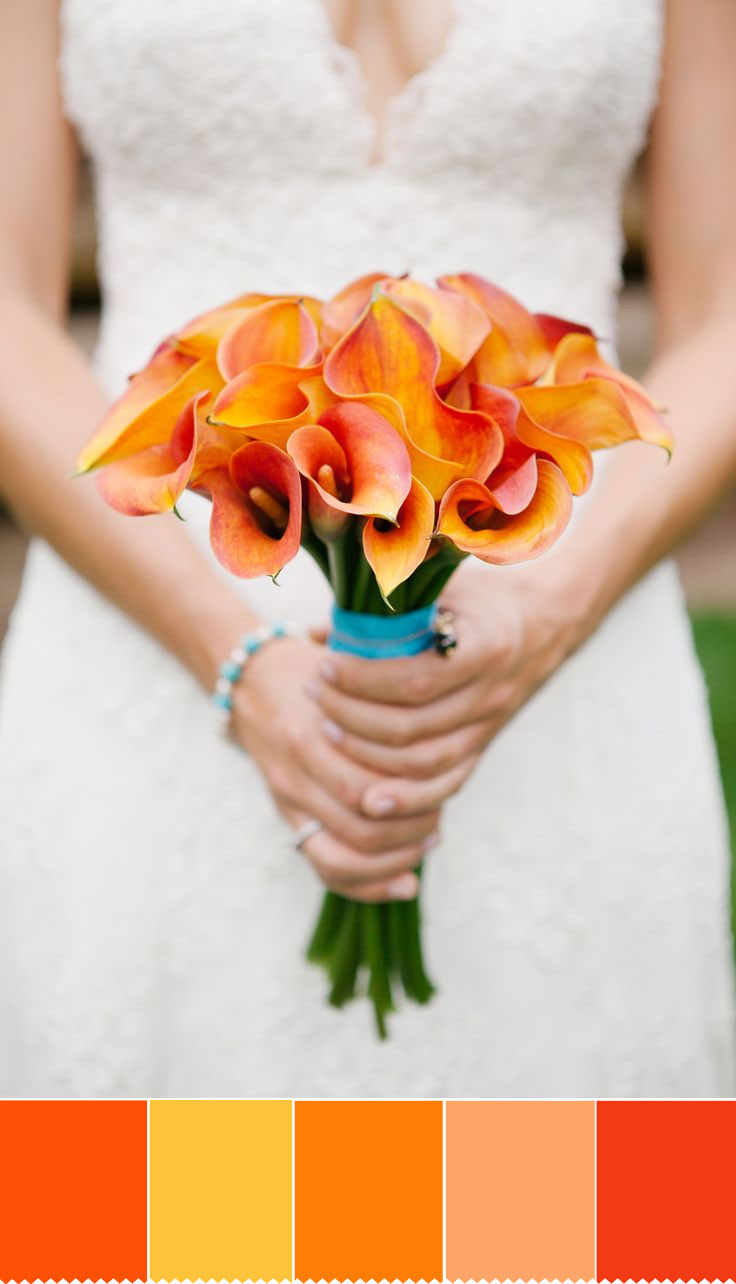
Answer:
(220, 1190)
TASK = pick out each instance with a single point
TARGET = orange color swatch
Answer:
(520, 1190)
(368, 1190)
(666, 1191)
(73, 1190)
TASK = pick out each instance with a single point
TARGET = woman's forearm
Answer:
(49, 405)
(644, 506)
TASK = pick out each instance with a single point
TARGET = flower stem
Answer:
(327, 927)
(338, 556)
(374, 952)
(345, 960)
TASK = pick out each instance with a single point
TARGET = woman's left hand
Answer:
(428, 718)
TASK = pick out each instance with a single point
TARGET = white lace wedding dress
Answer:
(152, 914)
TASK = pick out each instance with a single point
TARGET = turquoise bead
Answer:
(279, 630)
(222, 700)
(251, 645)
(231, 670)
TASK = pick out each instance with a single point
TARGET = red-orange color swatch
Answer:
(73, 1190)
(666, 1192)
(368, 1190)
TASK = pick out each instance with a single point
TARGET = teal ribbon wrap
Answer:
(384, 637)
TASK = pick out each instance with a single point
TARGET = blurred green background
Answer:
(715, 639)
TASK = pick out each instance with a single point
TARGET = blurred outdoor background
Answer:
(707, 562)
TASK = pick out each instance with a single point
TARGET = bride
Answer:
(559, 772)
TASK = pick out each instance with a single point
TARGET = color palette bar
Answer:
(360, 1190)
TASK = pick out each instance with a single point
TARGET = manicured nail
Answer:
(380, 806)
(404, 888)
(430, 842)
(332, 731)
(328, 671)
(312, 690)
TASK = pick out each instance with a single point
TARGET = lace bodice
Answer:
(232, 149)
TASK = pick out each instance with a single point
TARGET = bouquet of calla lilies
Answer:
(391, 430)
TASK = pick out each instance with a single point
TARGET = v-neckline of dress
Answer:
(349, 68)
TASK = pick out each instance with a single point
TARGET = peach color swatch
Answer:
(520, 1190)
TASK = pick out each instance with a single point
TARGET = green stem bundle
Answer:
(375, 950)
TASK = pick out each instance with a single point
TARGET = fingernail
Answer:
(312, 690)
(380, 806)
(328, 671)
(430, 842)
(332, 731)
(404, 888)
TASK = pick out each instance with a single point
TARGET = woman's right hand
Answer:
(277, 722)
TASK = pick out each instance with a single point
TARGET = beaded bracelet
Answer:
(231, 669)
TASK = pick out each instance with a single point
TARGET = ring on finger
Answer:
(305, 832)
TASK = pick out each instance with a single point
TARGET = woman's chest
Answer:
(198, 86)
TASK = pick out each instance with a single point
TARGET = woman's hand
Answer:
(277, 722)
(426, 719)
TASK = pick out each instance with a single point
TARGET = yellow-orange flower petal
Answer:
(457, 324)
(281, 331)
(569, 421)
(520, 343)
(515, 351)
(368, 459)
(341, 311)
(144, 415)
(200, 336)
(436, 474)
(244, 539)
(318, 395)
(395, 552)
(266, 401)
(472, 518)
(153, 481)
(388, 351)
(577, 358)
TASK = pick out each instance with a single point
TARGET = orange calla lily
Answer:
(255, 528)
(153, 481)
(280, 331)
(514, 480)
(436, 474)
(472, 517)
(395, 552)
(568, 421)
(267, 402)
(355, 459)
(520, 342)
(515, 351)
(456, 323)
(200, 336)
(388, 351)
(318, 395)
(144, 415)
(341, 311)
(577, 358)
(555, 328)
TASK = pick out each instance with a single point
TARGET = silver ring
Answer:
(305, 832)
